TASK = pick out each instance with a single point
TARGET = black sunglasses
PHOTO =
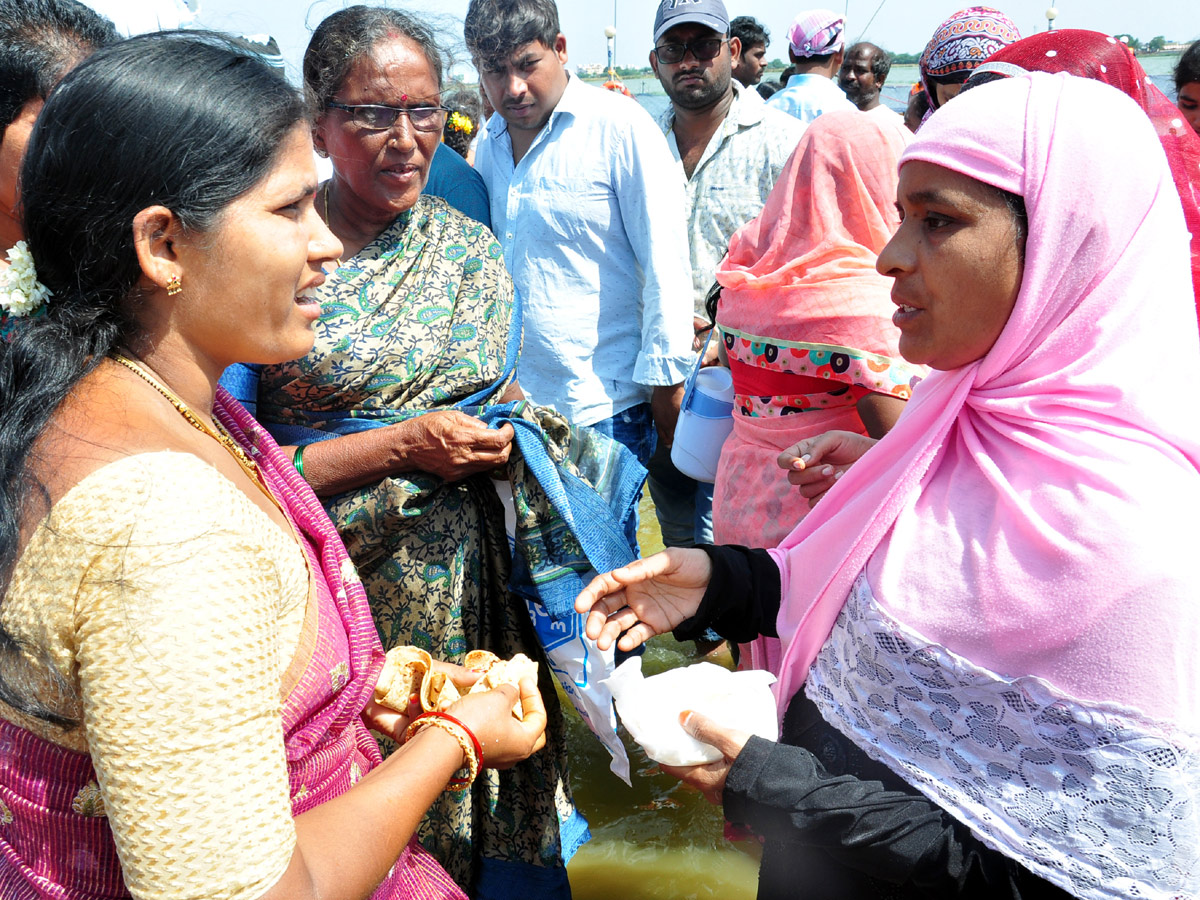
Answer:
(704, 49)
(375, 117)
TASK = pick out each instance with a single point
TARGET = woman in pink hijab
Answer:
(991, 655)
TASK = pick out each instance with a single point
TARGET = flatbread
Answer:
(408, 671)
(403, 671)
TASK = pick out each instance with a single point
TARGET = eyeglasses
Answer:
(705, 49)
(374, 117)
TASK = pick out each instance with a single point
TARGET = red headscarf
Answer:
(1090, 54)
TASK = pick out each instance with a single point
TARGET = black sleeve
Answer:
(742, 600)
(892, 834)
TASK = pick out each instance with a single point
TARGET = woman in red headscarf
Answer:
(1090, 54)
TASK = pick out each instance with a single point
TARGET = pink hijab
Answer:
(1031, 510)
(1104, 58)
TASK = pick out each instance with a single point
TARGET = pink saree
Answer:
(806, 322)
(55, 842)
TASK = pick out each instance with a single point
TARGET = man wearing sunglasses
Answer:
(816, 46)
(731, 148)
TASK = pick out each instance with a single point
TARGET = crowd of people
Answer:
(293, 382)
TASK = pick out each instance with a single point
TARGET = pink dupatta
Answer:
(329, 748)
(1091, 54)
(1025, 512)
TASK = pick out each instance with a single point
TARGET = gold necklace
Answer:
(216, 431)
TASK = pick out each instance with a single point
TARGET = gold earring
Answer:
(174, 286)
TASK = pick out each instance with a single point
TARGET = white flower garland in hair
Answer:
(20, 291)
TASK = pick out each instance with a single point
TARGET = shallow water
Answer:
(657, 840)
(649, 92)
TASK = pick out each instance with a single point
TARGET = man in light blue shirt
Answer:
(816, 47)
(588, 206)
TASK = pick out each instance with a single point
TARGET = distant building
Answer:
(591, 70)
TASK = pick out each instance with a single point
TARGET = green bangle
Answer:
(298, 459)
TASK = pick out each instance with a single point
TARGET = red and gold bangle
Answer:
(471, 748)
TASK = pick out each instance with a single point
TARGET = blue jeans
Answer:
(683, 505)
(633, 427)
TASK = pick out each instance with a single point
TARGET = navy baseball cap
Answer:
(710, 13)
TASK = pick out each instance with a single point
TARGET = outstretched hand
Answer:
(709, 778)
(816, 464)
(647, 597)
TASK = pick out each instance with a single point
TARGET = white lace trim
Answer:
(1092, 798)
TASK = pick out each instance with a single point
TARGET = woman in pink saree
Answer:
(806, 324)
(187, 659)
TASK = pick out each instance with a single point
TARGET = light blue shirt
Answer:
(807, 96)
(592, 225)
(739, 167)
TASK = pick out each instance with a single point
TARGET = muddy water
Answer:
(657, 840)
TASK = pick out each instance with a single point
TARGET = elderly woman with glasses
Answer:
(391, 418)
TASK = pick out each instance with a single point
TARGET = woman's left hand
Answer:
(709, 778)
(386, 721)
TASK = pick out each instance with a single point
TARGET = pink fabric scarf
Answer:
(328, 746)
(1028, 510)
(1104, 58)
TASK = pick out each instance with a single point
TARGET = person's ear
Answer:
(155, 232)
(654, 62)
(735, 50)
(318, 136)
(560, 48)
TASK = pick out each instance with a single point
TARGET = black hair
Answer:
(495, 29)
(1187, 69)
(712, 300)
(346, 36)
(467, 104)
(1016, 206)
(823, 59)
(978, 78)
(750, 32)
(183, 120)
(919, 102)
(787, 73)
(39, 41)
(767, 89)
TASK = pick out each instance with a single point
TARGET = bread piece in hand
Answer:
(404, 670)
(508, 672)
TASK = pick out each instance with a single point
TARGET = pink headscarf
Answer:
(1031, 510)
(1104, 58)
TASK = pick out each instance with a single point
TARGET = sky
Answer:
(902, 26)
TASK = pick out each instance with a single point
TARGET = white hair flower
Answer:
(20, 291)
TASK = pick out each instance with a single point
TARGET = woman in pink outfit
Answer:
(187, 658)
(807, 327)
(991, 658)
